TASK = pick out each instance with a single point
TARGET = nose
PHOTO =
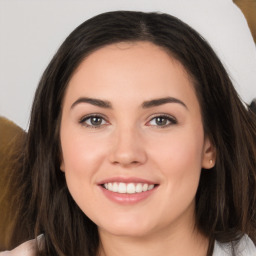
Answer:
(127, 148)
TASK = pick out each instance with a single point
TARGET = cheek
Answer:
(179, 158)
(80, 153)
(82, 158)
(181, 149)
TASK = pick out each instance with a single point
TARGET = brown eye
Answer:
(93, 121)
(162, 121)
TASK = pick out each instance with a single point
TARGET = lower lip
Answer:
(127, 198)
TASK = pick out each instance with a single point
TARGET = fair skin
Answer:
(114, 129)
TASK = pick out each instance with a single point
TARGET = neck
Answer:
(176, 243)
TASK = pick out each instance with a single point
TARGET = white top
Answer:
(26, 249)
(245, 247)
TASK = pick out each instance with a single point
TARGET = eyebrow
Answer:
(95, 102)
(161, 101)
(145, 104)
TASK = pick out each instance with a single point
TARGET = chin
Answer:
(129, 228)
(138, 232)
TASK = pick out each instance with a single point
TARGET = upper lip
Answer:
(126, 180)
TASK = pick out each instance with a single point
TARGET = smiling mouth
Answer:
(128, 188)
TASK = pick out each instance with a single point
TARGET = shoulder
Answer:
(244, 247)
(26, 249)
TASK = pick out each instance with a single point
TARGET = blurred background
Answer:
(32, 30)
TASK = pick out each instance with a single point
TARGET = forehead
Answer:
(133, 70)
(130, 51)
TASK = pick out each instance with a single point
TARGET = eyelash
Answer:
(170, 119)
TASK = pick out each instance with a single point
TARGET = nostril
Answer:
(126, 161)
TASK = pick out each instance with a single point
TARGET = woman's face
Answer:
(132, 140)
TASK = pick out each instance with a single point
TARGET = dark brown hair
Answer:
(226, 197)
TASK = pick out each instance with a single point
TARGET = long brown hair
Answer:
(226, 197)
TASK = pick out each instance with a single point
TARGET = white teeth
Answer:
(115, 187)
(110, 186)
(129, 188)
(145, 187)
(139, 188)
(150, 187)
(121, 188)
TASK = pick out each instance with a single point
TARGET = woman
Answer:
(138, 145)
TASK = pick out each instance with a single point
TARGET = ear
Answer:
(209, 154)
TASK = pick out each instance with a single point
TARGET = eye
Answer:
(162, 121)
(93, 121)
